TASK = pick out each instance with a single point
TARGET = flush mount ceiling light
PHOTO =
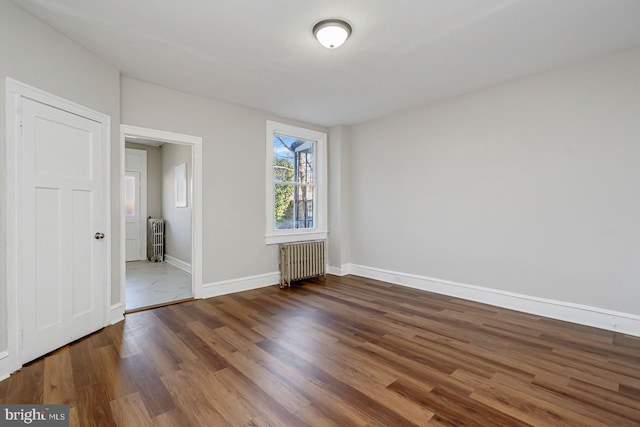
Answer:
(332, 33)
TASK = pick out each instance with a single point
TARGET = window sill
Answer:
(274, 239)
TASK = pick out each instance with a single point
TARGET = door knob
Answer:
(99, 236)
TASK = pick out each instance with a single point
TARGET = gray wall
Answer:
(529, 187)
(154, 178)
(233, 173)
(35, 54)
(177, 220)
(339, 239)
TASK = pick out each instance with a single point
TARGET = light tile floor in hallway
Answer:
(151, 283)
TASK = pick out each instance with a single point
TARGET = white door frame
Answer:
(196, 198)
(142, 235)
(11, 360)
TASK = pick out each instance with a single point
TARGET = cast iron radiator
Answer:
(301, 260)
(155, 236)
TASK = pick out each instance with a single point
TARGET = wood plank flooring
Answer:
(345, 352)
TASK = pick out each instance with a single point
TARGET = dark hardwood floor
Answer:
(345, 352)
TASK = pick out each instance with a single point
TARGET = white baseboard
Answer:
(116, 313)
(343, 270)
(576, 313)
(178, 263)
(238, 285)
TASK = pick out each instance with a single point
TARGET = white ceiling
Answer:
(402, 53)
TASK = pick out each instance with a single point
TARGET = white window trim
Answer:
(320, 230)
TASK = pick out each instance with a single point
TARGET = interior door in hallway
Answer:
(63, 257)
(135, 204)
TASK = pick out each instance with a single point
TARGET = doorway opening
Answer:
(160, 218)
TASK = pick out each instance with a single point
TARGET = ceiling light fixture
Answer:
(332, 33)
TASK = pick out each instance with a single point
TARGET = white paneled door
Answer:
(62, 262)
(135, 204)
(132, 214)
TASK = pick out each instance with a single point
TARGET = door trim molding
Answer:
(14, 92)
(196, 196)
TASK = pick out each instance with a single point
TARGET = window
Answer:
(129, 196)
(296, 184)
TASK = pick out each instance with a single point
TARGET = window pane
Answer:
(283, 206)
(293, 206)
(293, 159)
(303, 202)
(129, 196)
(303, 166)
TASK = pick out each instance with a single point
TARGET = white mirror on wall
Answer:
(181, 185)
